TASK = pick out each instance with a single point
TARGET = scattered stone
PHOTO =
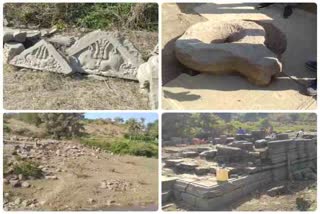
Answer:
(17, 201)
(275, 191)
(25, 184)
(110, 202)
(15, 183)
(91, 201)
(51, 177)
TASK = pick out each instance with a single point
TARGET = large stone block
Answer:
(42, 56)
(105, 53)
(221, 47)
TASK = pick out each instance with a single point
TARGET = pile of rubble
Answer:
(97, 54)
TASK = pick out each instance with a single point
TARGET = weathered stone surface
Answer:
(148, 80)
(42, 56)
(219, 47)
(11, 49)
(106, 54)
(19, 36)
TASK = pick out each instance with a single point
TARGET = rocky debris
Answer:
(116, 185)
(15, 183)
(51, 177)
(221, 47)
(25, 184)
(91, 201)
(275, 191)
(189, 154)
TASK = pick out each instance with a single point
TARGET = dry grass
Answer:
(41, 90)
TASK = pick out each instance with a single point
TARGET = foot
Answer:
(312, 65)
(312, 89)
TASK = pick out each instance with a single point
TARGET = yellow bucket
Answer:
(222, 174)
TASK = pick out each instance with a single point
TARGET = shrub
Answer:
(90, 15)
(28, 169)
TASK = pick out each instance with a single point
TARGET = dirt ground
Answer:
(79, 177)
(203, 91)
(35, 90)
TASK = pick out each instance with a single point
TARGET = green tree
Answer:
(63, 125)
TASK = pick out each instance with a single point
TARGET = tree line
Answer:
(204, 125)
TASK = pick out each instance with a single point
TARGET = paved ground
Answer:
(203, 91)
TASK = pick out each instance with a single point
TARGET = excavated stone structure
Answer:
(221, 47)
(289, 159)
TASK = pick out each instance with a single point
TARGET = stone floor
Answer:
(202, 92)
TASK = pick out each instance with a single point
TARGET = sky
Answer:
(150, 117)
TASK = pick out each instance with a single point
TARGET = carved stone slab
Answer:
(42, 56)
(105, 53)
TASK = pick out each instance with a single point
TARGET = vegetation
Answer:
(203, 125)
(28, 168)
(134, 137)
(133, 16)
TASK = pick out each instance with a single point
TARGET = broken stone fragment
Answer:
(42, 56)
(15, 183)
(222, 47)
(11, 49)
(105, 53)
(147, 75)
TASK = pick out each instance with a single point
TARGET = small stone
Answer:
(6, 194)
(5, 181)
(20, 177)
(25, 184)
(91, 201)
(58, 152)
(110, 202)
(17, 201)
(15, 183)
(25, 203)
(103, 185)
(51, 177)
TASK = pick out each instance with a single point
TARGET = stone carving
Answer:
(106, 54)
(42, 56)
(220, 47)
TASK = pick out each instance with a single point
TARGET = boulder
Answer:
(221, 47)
